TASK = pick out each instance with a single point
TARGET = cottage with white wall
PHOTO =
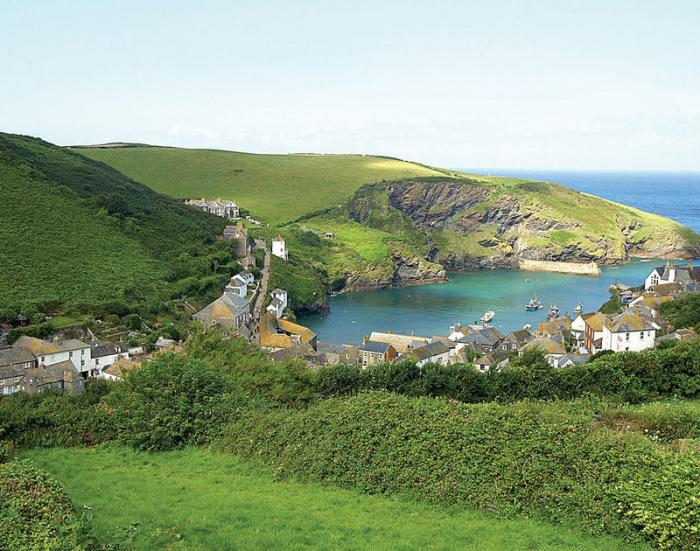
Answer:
(278, 302)
(56, 351)
(279, 248)
(628, 332)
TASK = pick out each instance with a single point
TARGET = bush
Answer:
(6, 450)
(665, 503)
(35, 512)
(168, 403)
(526, 458)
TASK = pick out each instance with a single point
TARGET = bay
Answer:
(430, 309)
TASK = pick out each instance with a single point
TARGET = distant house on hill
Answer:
(670, 273)
(230, 310)
(279, 248)
(225, 209)
(242, 244)
(120, 369)
(372, 352)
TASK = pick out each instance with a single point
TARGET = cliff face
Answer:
(471, 225)
(413, 270)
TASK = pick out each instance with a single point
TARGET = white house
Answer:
(279, 248)
(225, 209)
(278, 302)
(670, 273)
(433, 352)
(628, 332)
(588, 331)
(238, 286)
(247, 277)
(57, 351)
(102, 355)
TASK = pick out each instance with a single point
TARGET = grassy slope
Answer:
(276, 188)
(194, 500)
(77, 231)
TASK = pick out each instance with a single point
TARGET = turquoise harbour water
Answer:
(431, 309)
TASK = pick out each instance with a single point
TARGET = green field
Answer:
(192, 499)
(78, 233)
(275, 188)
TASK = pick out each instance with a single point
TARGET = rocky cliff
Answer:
(470, 224)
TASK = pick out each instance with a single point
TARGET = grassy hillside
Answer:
(77, 232)
(276, 188)
(192, 499)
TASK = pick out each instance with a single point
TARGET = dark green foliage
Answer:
(77, 233)
(170, 402)
(612, 306)
(522, 458)
(35, 512)
(664, 503)
(683, 312)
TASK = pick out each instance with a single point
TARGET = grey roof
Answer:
(100, 350)
(576, 359)
(278, 291)
(13, 356)
(374, 346)
(430, 350)
(11, 371)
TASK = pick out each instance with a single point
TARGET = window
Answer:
(627, 348)
(43, 359)
(627, 336)
(82, 363)
(641, 335)
(70, 354)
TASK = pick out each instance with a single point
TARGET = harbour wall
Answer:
(576, 268)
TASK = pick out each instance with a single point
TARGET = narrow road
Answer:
(260, 299)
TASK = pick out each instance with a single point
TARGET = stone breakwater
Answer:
(576, 268)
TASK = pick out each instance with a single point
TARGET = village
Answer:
(247, 309)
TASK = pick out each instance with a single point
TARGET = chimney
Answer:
(56, 339)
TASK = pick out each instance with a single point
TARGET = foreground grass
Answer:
(192, 499)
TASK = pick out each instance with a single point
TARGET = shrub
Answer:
(35, 512)
(665, 503)
(169, 402)
(526, 458)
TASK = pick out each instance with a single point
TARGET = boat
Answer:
(533, 305)
(578, 309)
(553, 312)
(488, 316)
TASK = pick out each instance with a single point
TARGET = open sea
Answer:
(430, 309)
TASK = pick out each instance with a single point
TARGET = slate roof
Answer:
(13, 356)
(375, 347)
(629, 322)
(100, 350)
(576, 359)
(40, 347)
(431, 350)
(61, 371)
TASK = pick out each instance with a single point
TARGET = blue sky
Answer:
(545, 84)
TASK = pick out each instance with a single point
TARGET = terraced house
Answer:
(225, 209)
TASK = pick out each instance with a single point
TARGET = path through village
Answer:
(262, 293)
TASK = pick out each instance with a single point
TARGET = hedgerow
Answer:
(526, 458)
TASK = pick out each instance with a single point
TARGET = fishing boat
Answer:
(578, 309)
(553, 312)
(488, 316)
(533, 305)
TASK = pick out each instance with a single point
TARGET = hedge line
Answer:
(517, 459)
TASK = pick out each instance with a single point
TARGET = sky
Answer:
(611, 84)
